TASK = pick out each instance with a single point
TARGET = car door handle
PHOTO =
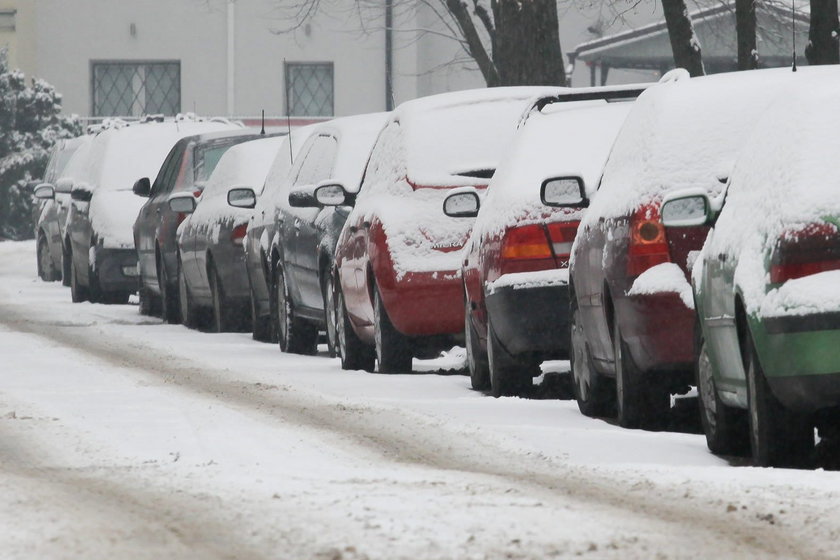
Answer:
(722, 257)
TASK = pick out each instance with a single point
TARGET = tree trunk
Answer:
(527, 43)
(745, 30)
(684, 44)
(822, 33)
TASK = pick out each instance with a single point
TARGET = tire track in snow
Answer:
(411, 438)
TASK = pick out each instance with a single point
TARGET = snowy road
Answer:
(121, 437)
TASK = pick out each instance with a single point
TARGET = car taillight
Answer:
(648, 245)
(805, 251)
(238, 234)
(526, 249)
(562, 235)
(180, 217)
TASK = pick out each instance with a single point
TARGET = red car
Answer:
(515, 268)
(632, 309)
(399, 292)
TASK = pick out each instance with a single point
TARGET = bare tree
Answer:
(745, 31)
(684, 43)
(823, 33)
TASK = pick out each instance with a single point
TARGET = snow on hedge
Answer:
(786, 178)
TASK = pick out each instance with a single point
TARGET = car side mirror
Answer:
(182, 203)
(44, 191)
(564, 192)
(142, 187)
(303, 197)
(463, 203)
(64, 185)
(686, 208)
(333, 195)
(242, 197)
(81, 193)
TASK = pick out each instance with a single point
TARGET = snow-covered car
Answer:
(211, 258)
(767, 282)
(515, 265)
(303, 248)
(262, 227)
(634, 316)
(186, 169)
(397, 258)
(99, 238)
(53, 196)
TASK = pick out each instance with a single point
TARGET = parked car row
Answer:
(659, 236)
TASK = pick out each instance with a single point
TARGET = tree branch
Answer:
(476, 48)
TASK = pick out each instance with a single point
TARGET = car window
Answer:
(165, 179)
(207, 158)
(386, 170)
(319, 161)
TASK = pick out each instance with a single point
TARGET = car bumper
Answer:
(116, 270)
(658, 330)
(531, 320)
(425, 303)
(799, 357)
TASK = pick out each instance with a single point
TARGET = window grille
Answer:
(136, 88)
(310, 89)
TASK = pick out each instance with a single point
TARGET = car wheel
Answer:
(149, 303)
(223, 320)
(328, 290)
(476, 357)
(260, 326)
(639, 401)
(189, 312)
(46, 270)
(778, 437)
(354, 353)
(393, 349)
(66, 266)
(595, 394)
(725, 427)
(293, 334)
(78, 293)
(169, 306)
(509, 377)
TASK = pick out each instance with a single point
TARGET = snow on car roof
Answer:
(452, 134)
(685, 133)
(565, 139)
(244, 165)
(120, 156)
(356, 135)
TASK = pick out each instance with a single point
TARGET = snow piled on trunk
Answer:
(112, 215)
(663, 278)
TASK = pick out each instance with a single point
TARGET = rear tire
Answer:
(170, 309)
(223, 320)
(294, 335)
(509, 377)
(328, 290)
(393, 349)
(260, 326)
(594, 393)
(353, 352)
(190, 315)
(476, 357)
(46, 270)
(778, 437)
(726, 428)
(149, 302)
(639, 401)
(66, 266)
(78, 293)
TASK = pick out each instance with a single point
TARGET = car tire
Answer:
(509, 377)
(78, 293)
(46, 270)
(725, 427)
(170, 309)
(294, 335)
(354, 353)
(190, 314)
(148, 302)
(393, 349)
(594, 393)
(640, 403)
(66, 266)
(476, 357)
(779, 437)
(328, 292)
(260, 326)
(223, 319)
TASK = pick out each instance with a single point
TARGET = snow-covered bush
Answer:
(30, 123)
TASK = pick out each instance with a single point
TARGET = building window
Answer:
(7, 20)
(132, 89)
(310, 89)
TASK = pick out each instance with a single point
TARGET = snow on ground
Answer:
(121, 437)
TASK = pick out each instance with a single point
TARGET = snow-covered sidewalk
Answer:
(121, 437)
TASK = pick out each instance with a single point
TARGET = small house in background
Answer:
(649, 48)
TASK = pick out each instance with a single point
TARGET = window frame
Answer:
(132, 62)
(287, 66)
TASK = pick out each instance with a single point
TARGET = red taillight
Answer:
(648, 245)
(562, 236)
(180, 217)
(805, 251)
(526, 242)
(238, 234)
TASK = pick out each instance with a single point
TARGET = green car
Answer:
(767, 284)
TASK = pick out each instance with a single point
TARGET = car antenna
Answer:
(288, 117)
(793, 31)
(262, 121)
